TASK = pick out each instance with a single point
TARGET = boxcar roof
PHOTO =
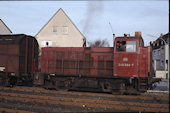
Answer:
(11, 39)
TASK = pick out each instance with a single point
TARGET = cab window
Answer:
(131, 46)
(128, 46)
(121, 46)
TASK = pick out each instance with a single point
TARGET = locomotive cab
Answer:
(130, 56)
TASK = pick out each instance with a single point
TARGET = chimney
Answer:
(161, 35)
(137, 34)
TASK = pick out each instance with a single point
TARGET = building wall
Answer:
(161, 74)
(4, 29)
(160, 64)
(160, 56)
(60, 32)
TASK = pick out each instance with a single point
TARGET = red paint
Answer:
(106, 61)
(85, 61)
(18, 54)
(132, 64)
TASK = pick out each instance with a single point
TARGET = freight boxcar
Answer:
(123, 68)
(18, 58)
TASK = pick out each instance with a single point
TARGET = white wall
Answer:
(70, 37)
(161, 74)
(4, 29)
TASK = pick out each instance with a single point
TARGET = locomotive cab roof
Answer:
(138, 38)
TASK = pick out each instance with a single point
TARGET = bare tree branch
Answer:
(99, 43)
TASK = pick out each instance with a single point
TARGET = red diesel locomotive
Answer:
(126, 67)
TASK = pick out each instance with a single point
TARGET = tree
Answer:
(99, 43)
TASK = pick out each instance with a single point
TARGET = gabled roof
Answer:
(165, 37)
(158, 42)
(5, 25)
(53, 17)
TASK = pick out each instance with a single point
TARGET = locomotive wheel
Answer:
(67, 84)
(62, 84)
(106, 86)
(48, 84)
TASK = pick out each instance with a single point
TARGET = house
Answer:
(4, 29)
(160, 56)
(60, 31)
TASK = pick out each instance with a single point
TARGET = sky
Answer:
(92, 18)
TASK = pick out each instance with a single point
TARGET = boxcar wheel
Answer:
(12, 81)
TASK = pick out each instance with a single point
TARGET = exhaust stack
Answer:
(138, 35)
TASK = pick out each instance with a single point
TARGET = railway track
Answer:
(3, 110)
(59, 101)
(42, 91)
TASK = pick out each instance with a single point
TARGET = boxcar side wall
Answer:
(22, 60)
(9, 59)
(30, 52)
(28, 55)
(35, 56)
(18, 54)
